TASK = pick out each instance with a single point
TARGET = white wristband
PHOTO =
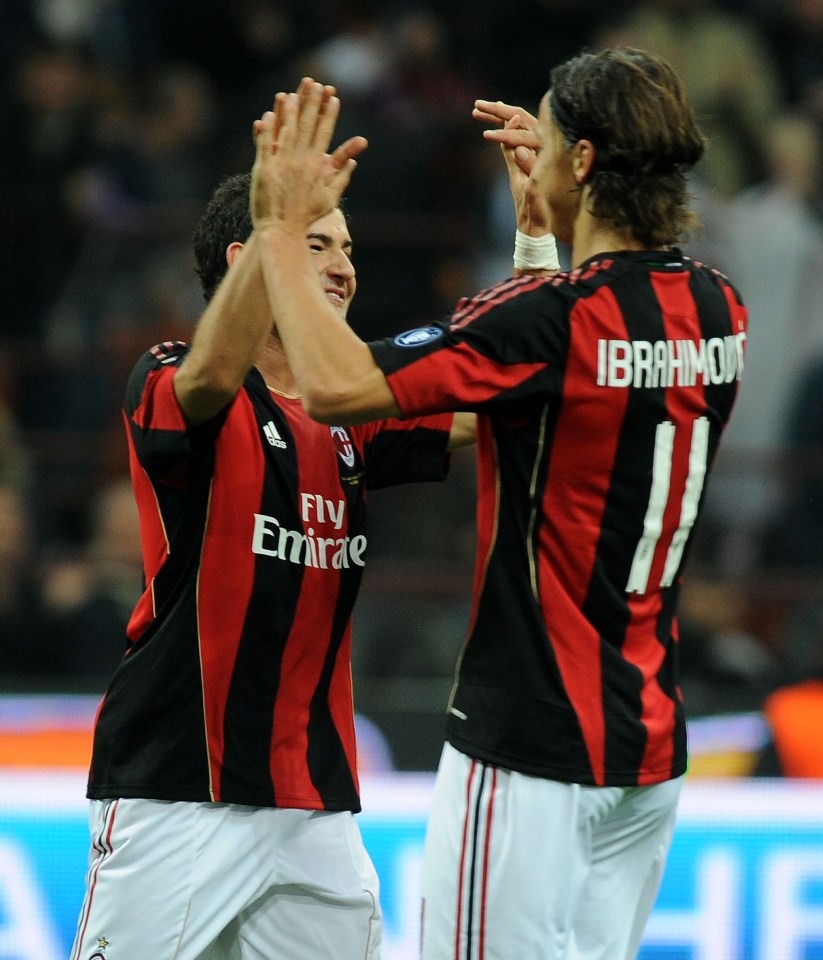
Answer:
(535, 253)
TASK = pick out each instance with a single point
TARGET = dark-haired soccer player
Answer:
(602, 394)
(223, 779)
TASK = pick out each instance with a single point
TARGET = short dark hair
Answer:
(633, 108)
(226, 219)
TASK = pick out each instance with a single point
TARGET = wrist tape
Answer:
(535, 253)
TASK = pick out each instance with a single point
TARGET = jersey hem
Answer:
(110, 792)
(549, 771)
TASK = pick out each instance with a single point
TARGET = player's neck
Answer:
(592, 237)
(275, 370)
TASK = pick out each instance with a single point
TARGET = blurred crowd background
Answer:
(119, 117)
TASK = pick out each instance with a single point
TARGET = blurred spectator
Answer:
(29, 650)
(794, 29)
(770, 239)
(728, 71)
(520, 41)
(90, 594)
(46, 114)
(796, 538)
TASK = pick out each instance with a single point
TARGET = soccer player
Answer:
(601, 396)
(223, 779)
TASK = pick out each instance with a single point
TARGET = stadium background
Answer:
(118, 118)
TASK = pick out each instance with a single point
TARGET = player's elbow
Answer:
(327, 405)
(202, 396)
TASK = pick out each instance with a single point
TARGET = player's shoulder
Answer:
(709, 271)
(167, 353)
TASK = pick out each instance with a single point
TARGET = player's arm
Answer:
(228, 338)
(293, 184)
(463, 431)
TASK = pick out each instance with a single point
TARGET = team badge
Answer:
(418, 336)
(343, 445)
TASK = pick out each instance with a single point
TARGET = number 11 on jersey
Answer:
(659, 500)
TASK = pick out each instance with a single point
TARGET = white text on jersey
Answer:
(270, 539)
(317, 508)
(668, 363)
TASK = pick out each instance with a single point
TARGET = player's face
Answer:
(552, 173)
(330, 243)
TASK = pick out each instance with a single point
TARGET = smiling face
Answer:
(553, 174)
(331, 246)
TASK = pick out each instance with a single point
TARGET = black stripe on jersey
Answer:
(708, 287)
(509, 609)
(384, 457)
(326, 757)
(622, 528)
(249, 716)
(162, 666)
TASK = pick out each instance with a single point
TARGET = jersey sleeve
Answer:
(162, 441)
(405, 451)
(500, 348)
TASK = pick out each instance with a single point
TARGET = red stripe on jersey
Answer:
(457, 377)
(226, 574)
(575, 497)
(153, 539)
(657, 712)
(308, 641)
(159, 408)
(476, 306)
(641, 647)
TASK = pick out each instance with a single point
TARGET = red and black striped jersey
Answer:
(236, 682)
(601, 397)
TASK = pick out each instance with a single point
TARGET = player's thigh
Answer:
(505, 859)
(141, 878)
(630, 844)
(326, 903)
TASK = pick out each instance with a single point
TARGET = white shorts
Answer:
(212, 881)
(523, 867)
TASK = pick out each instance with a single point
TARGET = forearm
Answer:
(228, 339)
(334, 370)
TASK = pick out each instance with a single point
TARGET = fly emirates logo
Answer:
(309, 548)
(668, 363)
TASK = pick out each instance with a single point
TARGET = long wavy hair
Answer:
(631, 105)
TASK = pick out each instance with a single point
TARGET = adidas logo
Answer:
(273, 436)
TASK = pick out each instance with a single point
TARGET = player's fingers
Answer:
(511, 137)
(524, 158)
(288, 113)
(279, 99)
(352, 148)
(309, 111)
(263, 130)
(340, 180)
(495, 110)
(326, 122)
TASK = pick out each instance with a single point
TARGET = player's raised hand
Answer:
(294, 179)
(515, 129)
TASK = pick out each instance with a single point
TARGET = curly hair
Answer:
(225, 220)
(631, 105)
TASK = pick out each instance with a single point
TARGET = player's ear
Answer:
(232, 250)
